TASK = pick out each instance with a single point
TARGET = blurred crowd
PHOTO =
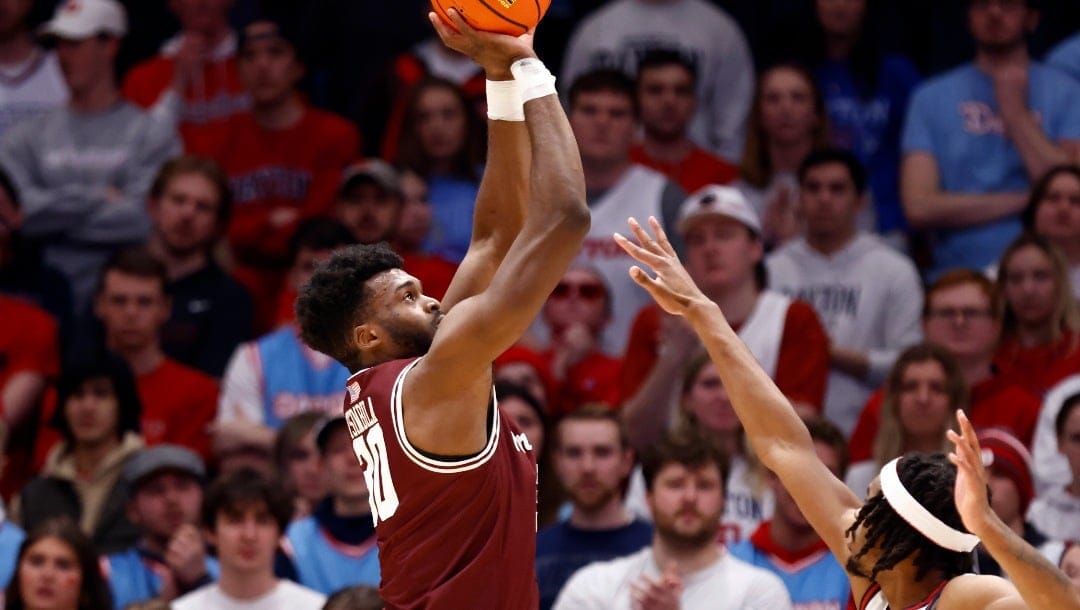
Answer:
(883, 197)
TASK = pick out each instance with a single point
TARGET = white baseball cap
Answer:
(82, 19)
(721, 201)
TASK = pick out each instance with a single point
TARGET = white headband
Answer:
(918, 517)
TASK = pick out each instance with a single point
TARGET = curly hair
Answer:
(931, 480)
(336, 300)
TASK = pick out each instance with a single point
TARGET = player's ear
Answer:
(367, 336)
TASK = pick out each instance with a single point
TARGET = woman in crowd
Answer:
(297, 461)
(787, 122)
(1041, 334)
(527, 412)
(443, 141)
(1054, 212)
(866, 95)
(56, 569)
(97, 416)
(1055, 512)
(922, 394)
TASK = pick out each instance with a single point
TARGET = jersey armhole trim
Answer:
(437, 466)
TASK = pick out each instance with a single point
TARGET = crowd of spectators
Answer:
(883, 197)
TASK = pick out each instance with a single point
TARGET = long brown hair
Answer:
(756, 167)
(1066, 315)
(411, 151)
(891, 436)
(93, 593)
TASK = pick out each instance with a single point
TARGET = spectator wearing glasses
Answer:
(963, 314)
(576, 313)
(975, 138)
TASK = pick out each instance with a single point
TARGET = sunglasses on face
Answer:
(589, 291)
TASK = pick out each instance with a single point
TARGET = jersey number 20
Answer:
(370, 447)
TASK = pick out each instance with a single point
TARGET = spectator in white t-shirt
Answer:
(244, 515)
(868, 296)
(684, 567)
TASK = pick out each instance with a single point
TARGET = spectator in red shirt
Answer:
(724, 256)
(29, 363)
(284, 160)
(667, 102)
(193, 77)
(1040, 343)
(962, 313)
(179, 403)
(576, 314)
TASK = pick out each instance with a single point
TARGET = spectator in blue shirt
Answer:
(1066, 56)
(977, 136)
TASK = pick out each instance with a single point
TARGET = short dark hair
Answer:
(138, 262)
(107, 366)
(507, 390)
(356, 597)
(604, 80)
(826, 156)
(662, 58)
(1067, 407)
(319, 234)
(336, 299)
(236, 490)
(203, 166)
(825, 432)
(595, 412)
(690, 448)
(931, 480)
(94, 592)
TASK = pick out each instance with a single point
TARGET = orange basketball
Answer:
(513, 17)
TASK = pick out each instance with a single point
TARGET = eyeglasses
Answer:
(589, 291)
(966, 313)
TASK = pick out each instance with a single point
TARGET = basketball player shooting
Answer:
(452, 483)
(909, 545)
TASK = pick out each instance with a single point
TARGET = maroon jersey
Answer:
(453, 534)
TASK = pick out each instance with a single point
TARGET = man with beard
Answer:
(684, 567)
(170, 558)
(452, 482)
(189, 208)
(592, 458)
(909, 545)
(976, 137)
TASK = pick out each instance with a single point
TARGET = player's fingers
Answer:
(459, 22)
(643, 236)
(661, 236)
(443, 30)
(637, 252)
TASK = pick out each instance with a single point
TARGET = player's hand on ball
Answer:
(672, 287)
(493, 52)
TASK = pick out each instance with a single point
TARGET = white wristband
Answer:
(504, 101)
(533, 78)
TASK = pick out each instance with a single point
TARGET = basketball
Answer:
(513, 17)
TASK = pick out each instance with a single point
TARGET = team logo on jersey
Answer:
(521, 442)
(354, 391)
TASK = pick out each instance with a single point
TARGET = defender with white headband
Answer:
(909, 545)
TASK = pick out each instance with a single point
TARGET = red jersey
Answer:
(699, 168)
(1041, 367)
(205, 105)
(802, 364)
(995, 403)
(28, 344)
(453, 533)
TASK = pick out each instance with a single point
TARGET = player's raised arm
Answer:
(1039, 583)
(448, 391)
(504, 188)
(776, 432)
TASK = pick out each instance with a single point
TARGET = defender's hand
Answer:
(672, 288)
(493, 52)
(970, 497)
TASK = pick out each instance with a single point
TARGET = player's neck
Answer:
(667, 150)
(790, 536)
(687, 560)
(603, 174)
(16, 48)
(900, 587)
(242, 585)
(279, 115)
(609, 516)
(737, 303)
